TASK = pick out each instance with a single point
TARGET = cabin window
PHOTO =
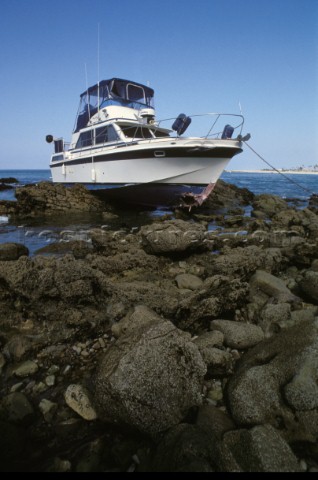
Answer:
(137, 132)
(85, 139)
(101, 135)
(105, 134)
(135, 94)
(159, 134)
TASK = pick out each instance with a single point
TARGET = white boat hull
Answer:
(191, 163)
(190, 171)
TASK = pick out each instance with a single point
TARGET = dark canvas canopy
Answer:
(115, 91)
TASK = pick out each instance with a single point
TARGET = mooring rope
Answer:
(278, 171)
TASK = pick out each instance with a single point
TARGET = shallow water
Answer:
(37, 233)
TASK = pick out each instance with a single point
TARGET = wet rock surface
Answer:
(170, 346)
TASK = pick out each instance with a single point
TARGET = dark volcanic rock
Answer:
(151, 377)
(225, 196)
(4, 186)
(77, 247)
(47, 197)
(269, 205)
(12, 251)
(9, 180)
(8, 207)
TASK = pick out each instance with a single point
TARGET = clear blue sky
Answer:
(198, 55)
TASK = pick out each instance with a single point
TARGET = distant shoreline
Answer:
(284, 172)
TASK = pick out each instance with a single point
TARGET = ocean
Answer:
(36, 233)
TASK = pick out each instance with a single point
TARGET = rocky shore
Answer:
(186, 344)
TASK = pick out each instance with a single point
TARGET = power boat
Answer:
(119, 149)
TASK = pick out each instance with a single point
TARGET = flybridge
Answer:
(115, 91)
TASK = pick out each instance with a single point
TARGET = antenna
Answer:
(98, 93)
(240, 107)
(88, 103)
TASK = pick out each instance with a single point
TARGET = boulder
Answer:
(238, 335)
(219, 362)
(258, 450)
(263, 286)
(25, 369)
(276, 381)
(210, 340)
(78, 399)
(275, 317)
(173, 236)
(48, 198)
(79, 248)
(12, 251)
(150, 378)
(188, 281)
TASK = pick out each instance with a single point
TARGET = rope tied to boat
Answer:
(278, 171)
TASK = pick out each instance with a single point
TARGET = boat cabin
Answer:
(117, 92)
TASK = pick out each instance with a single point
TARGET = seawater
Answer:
(36, 233)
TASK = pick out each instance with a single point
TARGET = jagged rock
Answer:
(269, 204)
(292, 219)
(243, 262)
(275, 379)
(12, 251)
(219, 296)
(258, 450)
(238, 335)
(224, 196)
(173, 236)
(155, 373)
(46, 198)
(78, 399)
(78, 248)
